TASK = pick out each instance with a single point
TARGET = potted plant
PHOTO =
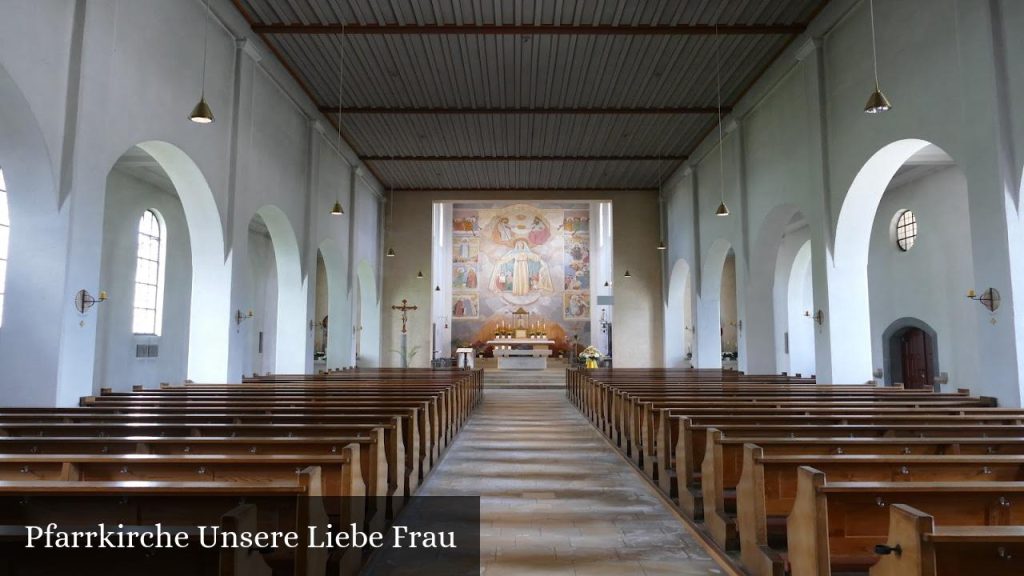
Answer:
(590, 356)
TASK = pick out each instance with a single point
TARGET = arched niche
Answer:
(35, 294)
(210, 310)
(127, 355)
(339, 331)
(772, 257)
(709, 333)
(289, 328)
(849, 303)
(679, 321)
(369, 316)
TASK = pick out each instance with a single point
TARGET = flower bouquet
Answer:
(590, 356)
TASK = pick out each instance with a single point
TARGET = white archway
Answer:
(35, 292)
(849, 309)
(339, 328)
(290, 338)
(763, 345)
(799, 298)
(369, 316)
(679, 320)
(709, 312)
(210, 311)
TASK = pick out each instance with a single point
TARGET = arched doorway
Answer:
(911, 356)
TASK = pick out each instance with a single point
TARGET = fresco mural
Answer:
(511, 255)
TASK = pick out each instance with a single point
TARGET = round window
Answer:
(906, 230)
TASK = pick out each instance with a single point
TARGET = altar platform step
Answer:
(551, 379)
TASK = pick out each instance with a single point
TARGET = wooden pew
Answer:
(724, 462)
(393, 446)
(769, 486)
(288, 506)
(415, 460)
(341, 478)
(691, 443)
(836, 525)
(917, 546)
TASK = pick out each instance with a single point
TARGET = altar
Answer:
(521, 353)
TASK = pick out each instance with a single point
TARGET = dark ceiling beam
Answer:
(527, 158)
(674, 110)
(542, 189)
(496, 30)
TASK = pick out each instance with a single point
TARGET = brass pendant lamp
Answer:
(202, 114)
(722, 210)
(337, 210)
(877, 102)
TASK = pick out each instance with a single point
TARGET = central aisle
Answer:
(556, 499)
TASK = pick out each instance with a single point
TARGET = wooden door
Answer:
(915, 354)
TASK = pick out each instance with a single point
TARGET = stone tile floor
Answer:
(556, 499)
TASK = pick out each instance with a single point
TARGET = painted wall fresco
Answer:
(507, 256)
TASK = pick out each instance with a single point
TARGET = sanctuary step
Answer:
(552, 378)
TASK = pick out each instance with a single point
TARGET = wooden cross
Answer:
(405, 312)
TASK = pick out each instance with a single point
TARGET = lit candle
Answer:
(103, 295)
(971, 293)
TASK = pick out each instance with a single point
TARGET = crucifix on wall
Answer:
(405, 308)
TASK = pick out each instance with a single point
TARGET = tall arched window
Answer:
(5, 241)
(149, 276)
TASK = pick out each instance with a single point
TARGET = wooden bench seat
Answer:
(926, 548)
(275, 506)
(769, 487)
(691, 443)
(394, 450)
(724, 458)
(372, 468)
(343, 489)
(838, 524)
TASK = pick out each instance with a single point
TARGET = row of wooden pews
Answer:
(279, 453)
(809, 479)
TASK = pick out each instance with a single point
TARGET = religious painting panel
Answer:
(508, 256)
(465, 276)
(576, 306)
(465, 306)
(466, 249)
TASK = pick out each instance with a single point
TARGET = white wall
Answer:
(81, 83)
(116, 365)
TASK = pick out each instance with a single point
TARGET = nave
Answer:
(556, 499)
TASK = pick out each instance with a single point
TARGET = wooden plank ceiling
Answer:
(526, 94)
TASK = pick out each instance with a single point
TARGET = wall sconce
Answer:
(818, 317)
(240, 317)
(419, 275)
(990, 298)
(84, 300)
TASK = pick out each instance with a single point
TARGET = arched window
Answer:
(5, 241)
(149, 276)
